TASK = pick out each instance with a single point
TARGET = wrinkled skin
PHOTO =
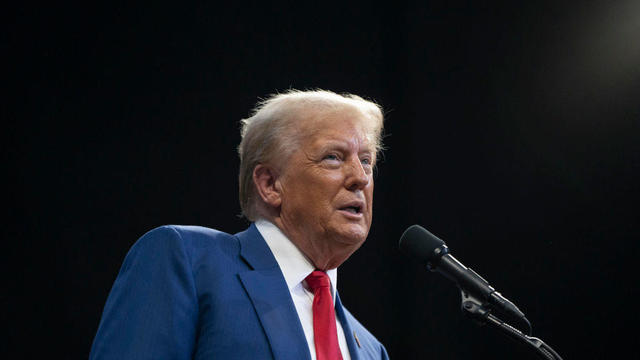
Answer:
(322, 197)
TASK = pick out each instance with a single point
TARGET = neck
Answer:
(316, 249)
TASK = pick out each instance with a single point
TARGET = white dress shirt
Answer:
(296, 267)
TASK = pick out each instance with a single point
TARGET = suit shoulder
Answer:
(186, 233)
(187, 238)
(194, 232)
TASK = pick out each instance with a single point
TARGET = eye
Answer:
(366, 161)
(331, 157)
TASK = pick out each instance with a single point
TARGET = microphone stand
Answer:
(481, 313)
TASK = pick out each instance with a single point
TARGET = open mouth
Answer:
(352, 209)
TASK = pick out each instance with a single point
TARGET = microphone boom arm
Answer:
(476, 310)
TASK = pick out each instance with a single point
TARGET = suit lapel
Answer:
(271, 300)
(348, 331)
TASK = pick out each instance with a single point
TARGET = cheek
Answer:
(369, 196)
(314, 203)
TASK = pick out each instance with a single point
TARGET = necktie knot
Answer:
(318, 280)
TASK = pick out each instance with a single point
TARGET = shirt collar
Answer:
(295, 266)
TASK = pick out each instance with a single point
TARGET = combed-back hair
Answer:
(270, 135)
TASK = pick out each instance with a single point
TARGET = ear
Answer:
(265, 179)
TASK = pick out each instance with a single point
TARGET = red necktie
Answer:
(325, 334)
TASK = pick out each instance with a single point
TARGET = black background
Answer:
(512, 131)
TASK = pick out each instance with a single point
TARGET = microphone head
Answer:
(422, 245)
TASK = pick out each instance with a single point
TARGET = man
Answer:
(306, 184)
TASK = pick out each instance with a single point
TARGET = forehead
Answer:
(347, 125)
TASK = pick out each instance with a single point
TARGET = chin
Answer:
(353, 235)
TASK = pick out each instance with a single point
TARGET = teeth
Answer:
(352, 210)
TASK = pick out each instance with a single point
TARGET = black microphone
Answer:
(427, 248)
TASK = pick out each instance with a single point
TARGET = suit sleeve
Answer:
(152, 309)
(383, 353)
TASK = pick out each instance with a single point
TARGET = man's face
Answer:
(327, 188)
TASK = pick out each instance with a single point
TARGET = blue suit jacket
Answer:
(189, 292)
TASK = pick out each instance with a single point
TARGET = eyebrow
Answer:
(342, 145)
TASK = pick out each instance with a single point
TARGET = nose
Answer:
(357, 177)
